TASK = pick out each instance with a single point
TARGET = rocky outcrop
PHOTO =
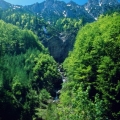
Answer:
(53, 9)
(97, 7)
(108, 2)
(60, 45)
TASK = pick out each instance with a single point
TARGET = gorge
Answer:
(60, 61)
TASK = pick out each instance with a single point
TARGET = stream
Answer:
(64, 79)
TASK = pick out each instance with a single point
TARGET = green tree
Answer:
(94, 62)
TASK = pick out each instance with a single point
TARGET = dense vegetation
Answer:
(44, 29)
(61, 32)
(28, 74)
(92, 91)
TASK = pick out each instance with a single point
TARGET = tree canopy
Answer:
(93, 67)
(28, 74)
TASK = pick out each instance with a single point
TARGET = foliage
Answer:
(62, 30)
(27, 20)
(94, 62)
(28, 74)
(68, 24)
(13, 40)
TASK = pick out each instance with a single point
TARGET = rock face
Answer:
(97, 7)
(50, 9)
(93, 2)
(108, 2)
(60, 45)
(53, 9)
(102, 2)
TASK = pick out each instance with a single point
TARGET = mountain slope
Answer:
(28, 74)
(58, 38)
(60, 21)
(97, 7)
(93, 70)
(51, 10)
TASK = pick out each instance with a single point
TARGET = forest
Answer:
(47, 31)
(93, 88)
(30, 76)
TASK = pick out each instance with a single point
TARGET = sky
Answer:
(29, 2)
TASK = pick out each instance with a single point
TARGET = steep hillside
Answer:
(86, 86)
(58, 38)
(92, 90)
(51, 10)
(29, 76)
(97, 7)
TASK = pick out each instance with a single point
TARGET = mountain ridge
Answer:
(53, 8)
